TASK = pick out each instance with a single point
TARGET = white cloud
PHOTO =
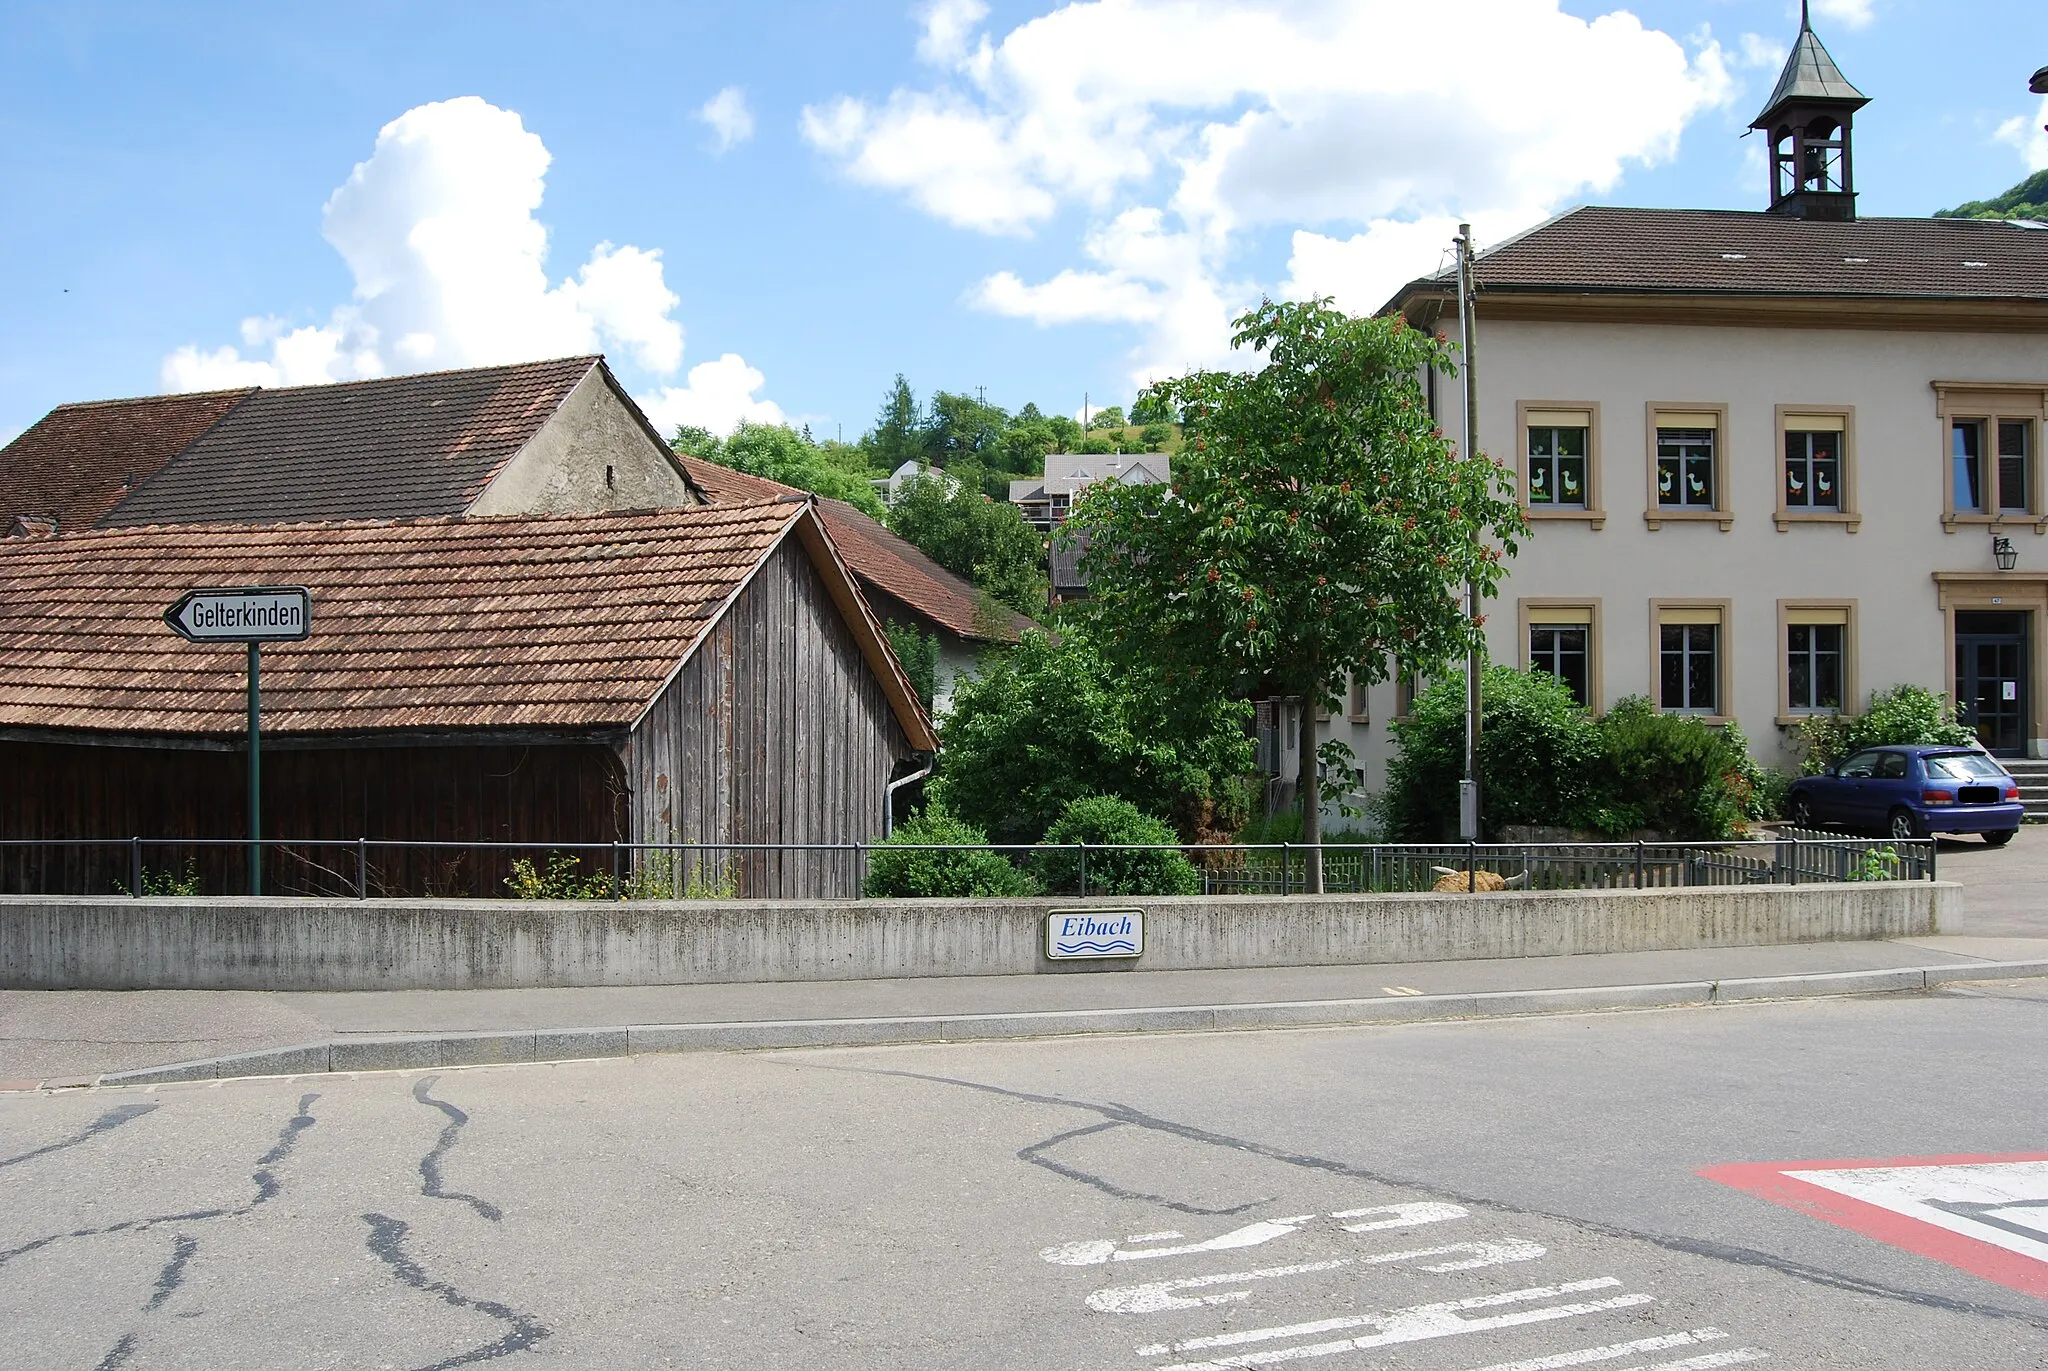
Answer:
(1755, 50)
(717, 396)
(438, 228)
(2028, 136)
(732, 123)
(1853, 14)
(948, 24)
(1177, 125)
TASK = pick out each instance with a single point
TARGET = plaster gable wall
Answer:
(562, 470)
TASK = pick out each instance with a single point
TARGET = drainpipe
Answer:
(889, 796)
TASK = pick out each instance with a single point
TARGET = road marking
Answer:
(1158, 1296)
(1733, 1356)
(1400, 990)
(1987, 1215)
(1417, 1323)
(1100, 1250)
(1403, 1216)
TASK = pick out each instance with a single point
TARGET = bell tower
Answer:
(1807, 120)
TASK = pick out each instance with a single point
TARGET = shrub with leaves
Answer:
(1538, 750)
(1093, 819)
(1903, 714)
(170, 882)
(896, 867)
(1668, 773)
(919, 653)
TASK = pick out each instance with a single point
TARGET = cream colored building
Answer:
(1769, 458)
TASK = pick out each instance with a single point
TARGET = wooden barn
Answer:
(699, 676)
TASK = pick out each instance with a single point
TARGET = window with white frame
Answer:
(1815, 656)
(1563, 650)
(1813, 463)
(1690, 660)
(1687, 462)
(1558, 474)
(2015, 465)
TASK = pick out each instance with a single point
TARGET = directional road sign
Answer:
(245, 614)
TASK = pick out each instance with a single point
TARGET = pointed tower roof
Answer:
(1810, 76)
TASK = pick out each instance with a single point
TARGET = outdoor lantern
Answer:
(2003, 552)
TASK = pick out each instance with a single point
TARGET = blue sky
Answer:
(1042, 202)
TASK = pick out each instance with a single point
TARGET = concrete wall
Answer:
(387, 945)
(563, 470)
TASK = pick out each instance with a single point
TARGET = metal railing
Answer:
(362, 868)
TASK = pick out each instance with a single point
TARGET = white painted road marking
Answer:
(1417, 1323)
(1100, 1250)
(1158, 1296)
(1733, 1356)
(1400, 990)
(2002, 1203)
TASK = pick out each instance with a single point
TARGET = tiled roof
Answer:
(77, 461)
(562, 622)
(1600, 249)
(880, 559)
(398, 447)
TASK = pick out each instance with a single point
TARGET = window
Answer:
(1562, 637)
(1560, 649)
(1689, 641)
(1360, 711)
(2015, 453)
(1816, 478)
(1817, 648)
(1991, 433)
(1688, 467)
(1813, 470)
(1966, 448)
(1685, 467)
(1813, 668)
(1560, 460)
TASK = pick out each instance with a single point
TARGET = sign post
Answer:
(254, 615)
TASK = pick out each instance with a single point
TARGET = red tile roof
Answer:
(1599, 249)
(882, 560)
(76, 462)
(398, 447)
(564, 622)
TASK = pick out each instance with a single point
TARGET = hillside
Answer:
(2027, 200)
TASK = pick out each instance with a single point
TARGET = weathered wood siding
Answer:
(776, 731)
(552, 794)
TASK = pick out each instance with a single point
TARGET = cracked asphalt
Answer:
(1514, 1195)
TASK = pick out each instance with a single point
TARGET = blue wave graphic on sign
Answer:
(1122, 945)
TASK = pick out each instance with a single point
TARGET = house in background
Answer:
(1046, 500)
(703, 676)
(900, 582)
(533, 438)
(1774, 459)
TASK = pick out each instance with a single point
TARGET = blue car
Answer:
(1911, 792)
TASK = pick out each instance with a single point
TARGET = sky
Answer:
(768, 211)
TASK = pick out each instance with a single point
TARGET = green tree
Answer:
(1318, 526)
(960, 426)
(949, 517)
(1024, 445)
(1110, 418)
(919, 653)
(1065, 432)
(780, 453)
(2027, 200)
(1050, 721)
(692, 441)
(1157, 869)
(898, 434)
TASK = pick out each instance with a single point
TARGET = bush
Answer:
(1049, 722)
(897, 869)
(1670, 773)
(1902, 714)
(919, 654)
(1537, 753)
(1106, 819)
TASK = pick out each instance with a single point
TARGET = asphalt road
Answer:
(1515, 1195)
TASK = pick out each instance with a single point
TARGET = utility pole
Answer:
(1468, 787)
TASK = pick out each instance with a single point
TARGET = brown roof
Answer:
(881, 559)
(402, 446)
(77, 461)
(561, 622)
(1601, 249)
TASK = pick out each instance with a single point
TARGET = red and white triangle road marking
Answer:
(1984, 1214)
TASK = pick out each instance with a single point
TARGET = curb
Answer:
(414, 1052)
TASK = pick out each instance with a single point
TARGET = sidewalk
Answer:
(72, 1037)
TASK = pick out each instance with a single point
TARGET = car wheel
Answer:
(2000, 837)
(1802, 812)
(1904, 825)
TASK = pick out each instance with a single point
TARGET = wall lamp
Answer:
(2003, 552)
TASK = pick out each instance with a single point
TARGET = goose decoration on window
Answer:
(1822, 483)
(1698, 483)
(1571, 484)
(1663, 483)
(1793, 483)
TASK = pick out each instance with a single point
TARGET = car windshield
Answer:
(1963, 766)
